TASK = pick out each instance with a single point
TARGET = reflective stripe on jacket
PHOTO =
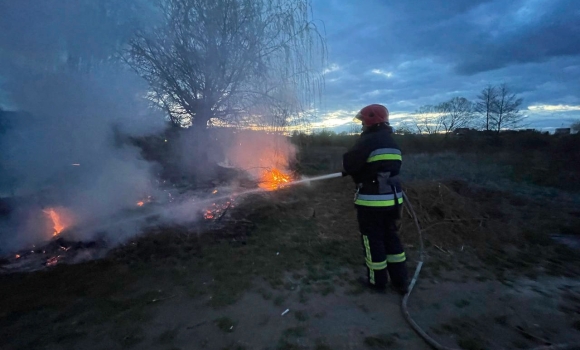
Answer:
(385, 154)
(375, 153)
(378, 200)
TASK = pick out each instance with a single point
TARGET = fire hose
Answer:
(428, 339)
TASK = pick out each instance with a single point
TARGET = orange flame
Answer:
(274, 179)
(144, 200)
(60, 219)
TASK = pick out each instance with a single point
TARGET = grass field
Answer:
(493, 277)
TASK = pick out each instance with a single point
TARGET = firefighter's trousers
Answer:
(382, 247)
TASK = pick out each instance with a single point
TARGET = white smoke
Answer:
(258, 151)
(65, 145)
(76, 102)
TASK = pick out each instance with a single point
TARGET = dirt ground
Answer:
(281, 273)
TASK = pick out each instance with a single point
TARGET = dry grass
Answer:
(313, 229)
(480, 170)
(446, 218)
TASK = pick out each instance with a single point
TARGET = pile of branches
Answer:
(453, 214)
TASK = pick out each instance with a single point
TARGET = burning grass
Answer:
(60, 218)
(216, 211)
(58, 250)
(274, 179)
(53, 249)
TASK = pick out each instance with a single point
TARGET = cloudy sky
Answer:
(401, 53)
(405, 54)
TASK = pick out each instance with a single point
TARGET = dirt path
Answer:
(458, 312)
(334, 321)
(338, 320)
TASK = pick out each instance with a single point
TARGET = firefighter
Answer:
(374, 163)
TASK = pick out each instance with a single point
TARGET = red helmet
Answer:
(373, 114)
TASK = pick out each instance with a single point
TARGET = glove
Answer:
(344, 173)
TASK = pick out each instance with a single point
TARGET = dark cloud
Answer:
(410, 53)
(531, 34)
(486, 35)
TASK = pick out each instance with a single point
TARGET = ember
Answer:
(52, 261)
(216, 211)
(142, 202)
(274, 179)
(54, 252)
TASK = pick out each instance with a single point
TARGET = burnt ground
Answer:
(493, 278)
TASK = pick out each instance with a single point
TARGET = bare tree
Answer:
(506, 110)
(486, 104)
(575, 126)
(427, 120)
(455, 113)
(232, 61)
(404, 128)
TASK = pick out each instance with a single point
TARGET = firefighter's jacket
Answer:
(374, 163)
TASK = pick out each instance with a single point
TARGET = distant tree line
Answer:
(530, 156)
(497, 108)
